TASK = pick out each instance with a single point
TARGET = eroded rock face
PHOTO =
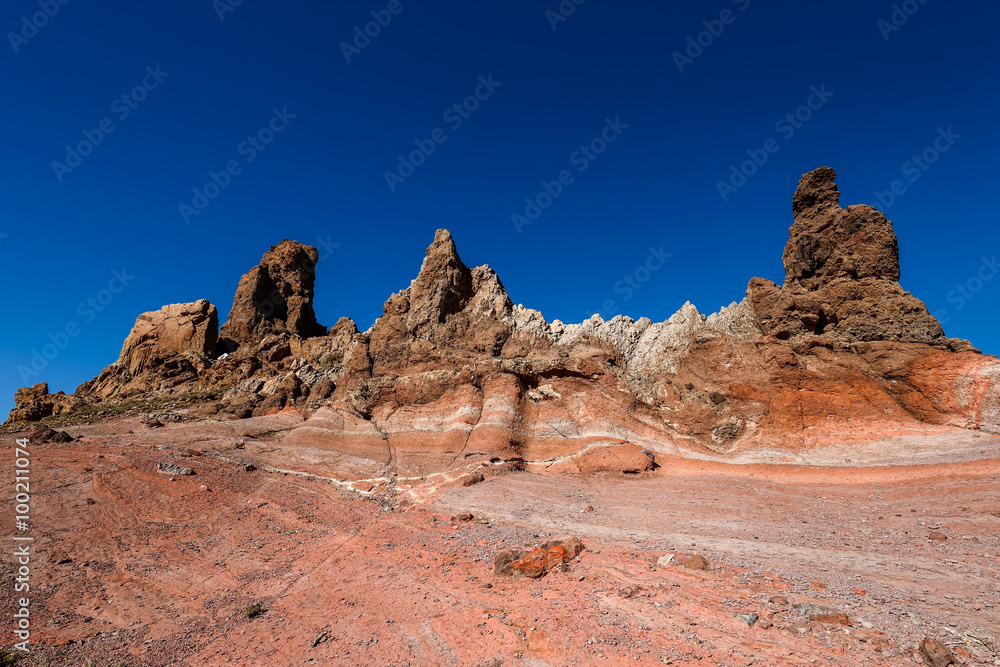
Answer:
(828, 243)
(275, 297)
(180, 328)
(842, 275)
(449, 314)
(35, 403)
(454, 379)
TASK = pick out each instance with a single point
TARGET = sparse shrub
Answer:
(239, 444)
(331, 360)
(7, 657)
(253, 610)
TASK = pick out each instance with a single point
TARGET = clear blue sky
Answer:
(215, 82)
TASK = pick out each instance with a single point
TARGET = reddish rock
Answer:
(842, 275)
(275, 297)
(32, 404)
(837, 357)
(694, 562)
(539, 561)
(177, 329)
(473, 478)
(936, 654)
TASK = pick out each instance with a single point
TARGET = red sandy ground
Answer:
(158, 569)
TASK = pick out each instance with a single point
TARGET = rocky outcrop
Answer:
(842, 275)
(177, 329)
(453, 377)
(275, 297)
(167, 349)
(828, 243)
(35, 403)
(450, 314)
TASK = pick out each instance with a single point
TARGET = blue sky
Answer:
(299, 117)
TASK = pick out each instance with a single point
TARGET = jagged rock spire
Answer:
(276, 296)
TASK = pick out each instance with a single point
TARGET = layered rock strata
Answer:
(455, 378)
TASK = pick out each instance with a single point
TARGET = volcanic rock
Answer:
(49, 435)
(275, 297)
(453, 374)
(35, 403)
(694, 562)
(841, 275)
(936, 654)
(539, 561)
(448, 315)
(177, 329)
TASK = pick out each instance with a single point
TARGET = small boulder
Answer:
(474, 478)
(538, 562)
(694, 562)
(936, 654)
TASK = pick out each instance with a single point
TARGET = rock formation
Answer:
(453, 378)
(181, 328)
(842, 275)
(36, 403)
(275, 297)
(166, 348)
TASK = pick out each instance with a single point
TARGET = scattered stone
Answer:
(937, 537)
(464, 516)
(249, 467)
(750, 619)
(779, 600)
(663, 561)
